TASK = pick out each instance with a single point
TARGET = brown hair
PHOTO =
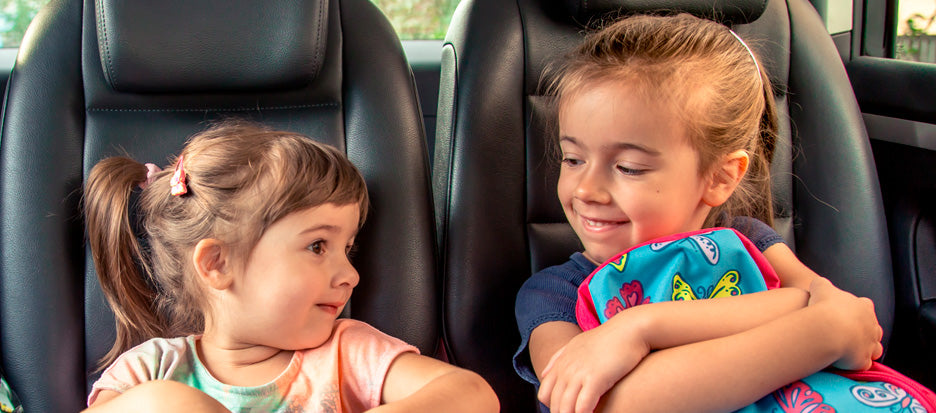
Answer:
(697, 65)
(241, 178)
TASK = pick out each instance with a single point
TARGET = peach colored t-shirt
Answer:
(345, 374)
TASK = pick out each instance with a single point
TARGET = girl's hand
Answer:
(588, 366)
(855, 316)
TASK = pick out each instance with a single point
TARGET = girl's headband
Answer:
(756, 66)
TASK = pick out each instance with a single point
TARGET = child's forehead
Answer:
(686, 100)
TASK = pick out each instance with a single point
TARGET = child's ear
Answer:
(726, 175)
(212, 264)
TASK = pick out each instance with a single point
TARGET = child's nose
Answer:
(346, 276)
(592, 187)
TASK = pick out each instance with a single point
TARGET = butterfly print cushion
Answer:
(721, 262)
(711, 263)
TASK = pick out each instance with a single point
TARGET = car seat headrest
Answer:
(171, 46)
(724, 11)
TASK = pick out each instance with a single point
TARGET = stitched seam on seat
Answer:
(102, 33)
(321, 38)
(240, 109)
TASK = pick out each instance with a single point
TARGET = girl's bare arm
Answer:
(728, 373)
(576, 368)
(417, 383)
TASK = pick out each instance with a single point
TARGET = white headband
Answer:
(756, 66)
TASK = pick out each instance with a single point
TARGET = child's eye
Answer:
(350, 250)
(630, 171)
(571, 161)
(317, 247)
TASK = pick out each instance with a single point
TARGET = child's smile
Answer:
(629, 173)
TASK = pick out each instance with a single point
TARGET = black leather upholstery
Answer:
(167, 46)
(494, 178)
(333, 70)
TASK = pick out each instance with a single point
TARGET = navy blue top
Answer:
(550, 295)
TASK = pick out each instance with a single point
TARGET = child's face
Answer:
(297, 279)
(629, 173)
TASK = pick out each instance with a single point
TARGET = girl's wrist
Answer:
(635, 324)
(829, 331)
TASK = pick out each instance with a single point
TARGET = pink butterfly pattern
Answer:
(798, 397)
(633, 295)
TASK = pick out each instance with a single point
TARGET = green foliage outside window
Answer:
(915, 43)
(412, 19)
(419, 19)
(15, 16)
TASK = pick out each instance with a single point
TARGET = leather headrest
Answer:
(169, 46)
(724, 11)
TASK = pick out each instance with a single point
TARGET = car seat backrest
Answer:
(495, 167)
(102, 78)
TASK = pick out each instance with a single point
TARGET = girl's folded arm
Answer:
(576, 368)
(675, 323)
(730, 372)
(420, 383)
(792, 271)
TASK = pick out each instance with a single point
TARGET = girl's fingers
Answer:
(587, 402)
(568, 397)
(555, 401)
(546, 387)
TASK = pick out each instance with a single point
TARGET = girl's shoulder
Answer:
(355, 333)
(761, 234)
(571, 272)
(353, 362)
(154, 359)
(164, 350)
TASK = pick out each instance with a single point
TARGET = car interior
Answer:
(454, 141)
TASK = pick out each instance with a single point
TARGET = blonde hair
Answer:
(241, 178)
(710, 77)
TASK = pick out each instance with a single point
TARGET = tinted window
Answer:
(419, 19)
(916, 31)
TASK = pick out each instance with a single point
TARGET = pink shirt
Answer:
(344, 374)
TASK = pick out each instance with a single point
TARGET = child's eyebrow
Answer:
(619, 146)
(625, 146)
(323, 227)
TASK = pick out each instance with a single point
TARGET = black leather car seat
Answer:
(495, 185)
(97, 78)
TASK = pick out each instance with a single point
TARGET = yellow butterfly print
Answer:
(620, 264)
(727, 286)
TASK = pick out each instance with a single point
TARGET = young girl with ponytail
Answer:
(232, 301)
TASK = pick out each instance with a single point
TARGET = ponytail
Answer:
(117, 254)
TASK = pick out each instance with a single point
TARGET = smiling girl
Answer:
(667, 126)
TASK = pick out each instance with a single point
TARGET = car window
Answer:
(15, 16)
(419, 19)
(916, 31)
(412, 19)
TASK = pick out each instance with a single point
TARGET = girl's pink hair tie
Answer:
(177, 184)
(151, 171)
